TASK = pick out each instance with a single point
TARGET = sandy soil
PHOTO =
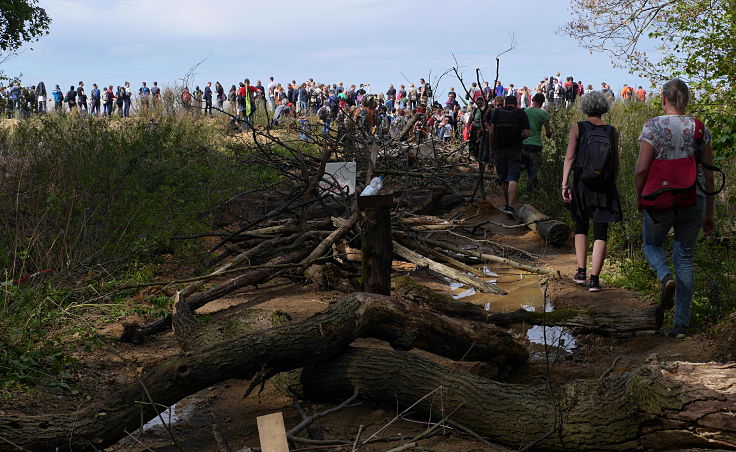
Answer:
(223, 405)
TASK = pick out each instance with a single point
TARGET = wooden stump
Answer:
(376, 244)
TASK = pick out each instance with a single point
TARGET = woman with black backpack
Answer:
(592, 149)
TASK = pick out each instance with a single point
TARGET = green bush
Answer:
(94, 200)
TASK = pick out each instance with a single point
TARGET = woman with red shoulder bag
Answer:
(675, 192)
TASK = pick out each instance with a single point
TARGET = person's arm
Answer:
(572, 144)
(646, 156)
(547, 130)
(709, 223)
(525, 134)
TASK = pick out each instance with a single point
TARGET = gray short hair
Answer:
(677, 93)
(594, 104)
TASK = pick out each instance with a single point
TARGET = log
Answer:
(492, 258)
(322, 337)
(655, 406)
(554, 231)
(441, 256)
(248, 278)
(444, 270)
(603, 321)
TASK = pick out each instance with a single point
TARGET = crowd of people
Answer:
(289, 99)
(501, 124)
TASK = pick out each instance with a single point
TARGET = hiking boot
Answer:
(580, 278)
(667, 293)
(594, 285)
(678, 332)
(510, 211)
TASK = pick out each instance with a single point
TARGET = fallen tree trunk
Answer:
(603, 321)
(320, 338)
(655, 406)
(134, 332)
(554, 231)
(444, 270)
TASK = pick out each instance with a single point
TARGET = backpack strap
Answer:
(699, 138)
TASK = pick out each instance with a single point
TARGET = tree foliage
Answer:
(21, 21)
(659, 39)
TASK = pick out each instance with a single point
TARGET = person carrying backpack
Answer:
(58, 98)
(592, 150)
(509, 128)
(675, 151)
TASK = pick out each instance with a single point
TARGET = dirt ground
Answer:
(223, 407)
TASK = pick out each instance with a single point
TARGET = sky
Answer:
(355, 41)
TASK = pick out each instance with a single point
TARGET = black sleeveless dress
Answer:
(600, 204)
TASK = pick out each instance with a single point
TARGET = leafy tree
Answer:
(659, 39)
(21, 21)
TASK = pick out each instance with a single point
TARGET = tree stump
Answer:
(376, 244)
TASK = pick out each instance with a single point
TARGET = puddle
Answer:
(523, 293)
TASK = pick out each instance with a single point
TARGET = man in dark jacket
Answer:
(71, 98)
(509, 128)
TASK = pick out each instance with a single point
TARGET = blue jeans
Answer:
(687, 223)
(126, 107)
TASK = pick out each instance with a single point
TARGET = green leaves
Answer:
(21, 21)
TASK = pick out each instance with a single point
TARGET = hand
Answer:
(567, 194)
(709, 224)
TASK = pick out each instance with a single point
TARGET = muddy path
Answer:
(565, 356)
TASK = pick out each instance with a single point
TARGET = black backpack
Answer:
(507, 133)
(595, 159)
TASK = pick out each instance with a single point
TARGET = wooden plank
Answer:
(272, 433)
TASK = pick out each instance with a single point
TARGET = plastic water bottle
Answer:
(374, 187)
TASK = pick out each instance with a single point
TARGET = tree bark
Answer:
(377, 250)
(554, 231)
(320, 338)
(655, 406)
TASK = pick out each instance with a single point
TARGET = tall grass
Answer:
(85, 197)
(715, 294)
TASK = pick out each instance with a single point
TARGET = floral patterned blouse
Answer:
(671, 136)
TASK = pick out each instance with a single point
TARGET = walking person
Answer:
(82, 101)
(109, 100)
(675, 136)
(120, 100)
(531, 156)
(220, 93)
(41, 97)
(155, 94)
(144, 93)
(127, 95)
(58, 96)
(208, 99)
(232, 97)
(71, 98)
(96, 99)
(592, 149)
(508, 129)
